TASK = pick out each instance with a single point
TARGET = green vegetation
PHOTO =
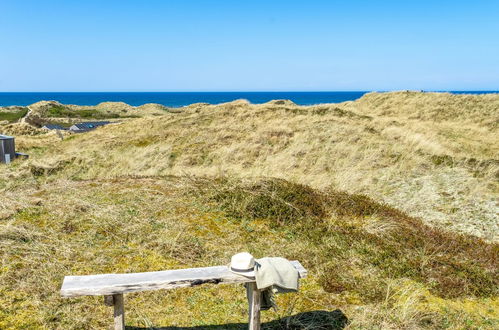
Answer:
(383, 240)
(61, 111)
(12, 115)
(282, 201)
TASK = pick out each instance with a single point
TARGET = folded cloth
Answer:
(275, 275)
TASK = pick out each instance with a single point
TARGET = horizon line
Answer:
(270, 91)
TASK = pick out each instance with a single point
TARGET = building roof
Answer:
(5, 137)
(90, 124)
(53, 126)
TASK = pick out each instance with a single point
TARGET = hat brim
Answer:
(246, 273)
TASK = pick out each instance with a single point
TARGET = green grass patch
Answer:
(61, 111)
(13, 115)
(279, 200)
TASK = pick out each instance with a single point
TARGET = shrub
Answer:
(279, 200)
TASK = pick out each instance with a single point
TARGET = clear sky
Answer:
(188, 45)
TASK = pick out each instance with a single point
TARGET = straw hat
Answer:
(243, 264)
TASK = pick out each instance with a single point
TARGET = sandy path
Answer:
(23, 119)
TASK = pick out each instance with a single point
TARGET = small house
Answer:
(53, 127)
(87, 126)
(7, 149)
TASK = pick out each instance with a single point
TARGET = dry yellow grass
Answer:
(481, 109)
(442, 168)
(123, 198)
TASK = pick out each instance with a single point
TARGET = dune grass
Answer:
(59, 111)
(390, 208)
(381, 238)
(413, 165)
(356, 257)
(48, 111)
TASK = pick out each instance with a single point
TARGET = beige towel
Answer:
(275, 275)
(276, 272)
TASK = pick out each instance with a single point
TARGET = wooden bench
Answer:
(113, 286)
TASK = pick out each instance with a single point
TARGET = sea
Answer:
(179, 99)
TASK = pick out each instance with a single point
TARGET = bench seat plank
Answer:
(110, 284)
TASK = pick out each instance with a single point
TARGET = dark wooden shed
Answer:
(7, 149)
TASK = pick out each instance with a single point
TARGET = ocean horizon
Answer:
(179, 99)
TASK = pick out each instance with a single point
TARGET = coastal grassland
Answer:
(481, 109)
(12, 114)
(378, 266)
(391, 208)
(444, 170)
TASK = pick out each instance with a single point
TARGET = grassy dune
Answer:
(389, 201)
(53, 112)
(50, 110)
(444, 171)
(12, 114)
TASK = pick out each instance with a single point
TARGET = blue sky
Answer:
(254, 45)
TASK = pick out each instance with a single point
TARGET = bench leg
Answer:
(119, 312)
(254, 300)
(117, 301)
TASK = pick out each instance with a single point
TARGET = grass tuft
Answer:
(281, 201)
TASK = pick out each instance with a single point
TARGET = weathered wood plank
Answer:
(254, 302)
(119, 312)
(111, 284)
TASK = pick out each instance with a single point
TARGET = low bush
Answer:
(282, 201)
